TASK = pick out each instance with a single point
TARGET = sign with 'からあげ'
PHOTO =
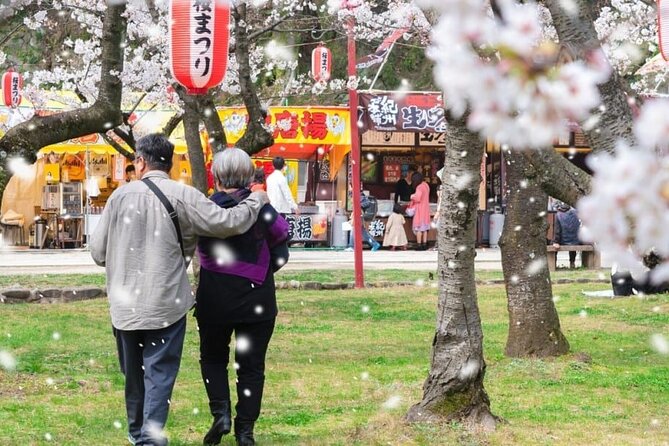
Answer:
(308, 228)
(293, 125)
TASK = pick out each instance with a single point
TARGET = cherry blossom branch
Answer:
(26, 138)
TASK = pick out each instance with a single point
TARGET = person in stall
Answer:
(130, 174)
(403, 189)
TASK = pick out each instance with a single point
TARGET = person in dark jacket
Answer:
(403, 189)
(567, 225)
(237, 294)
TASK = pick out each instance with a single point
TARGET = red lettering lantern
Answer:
(199, 37)
(321, 63)
(663, 27)
(11, 88)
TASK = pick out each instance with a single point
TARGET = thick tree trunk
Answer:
(191, 120)
(454, 387)
(577, 34)
(534, 325)
(557, 176)
(27, 138)
(257, 136)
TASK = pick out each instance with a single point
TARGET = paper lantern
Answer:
(663, 27)
(199, 36)
(321, 63)
(11, 88)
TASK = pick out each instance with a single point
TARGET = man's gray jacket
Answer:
(136, 241)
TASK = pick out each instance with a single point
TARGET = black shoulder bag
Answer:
(170, 210)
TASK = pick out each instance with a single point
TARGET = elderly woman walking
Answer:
(237, 294)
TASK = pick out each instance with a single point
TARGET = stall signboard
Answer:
(369, 170)
(293, 125)
(412, 112)
(73, 168)
(427, 139)
(52, 172)
(118, 173)
(389, 139)
(99, 165)
(377, 227)
(392, 172)
(396, 167)
(308, 228)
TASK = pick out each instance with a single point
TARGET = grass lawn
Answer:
(339, 375)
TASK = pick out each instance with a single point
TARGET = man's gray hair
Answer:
(232, 168)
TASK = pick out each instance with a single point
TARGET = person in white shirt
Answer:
(277, 189)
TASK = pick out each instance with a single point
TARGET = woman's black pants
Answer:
(252, 340)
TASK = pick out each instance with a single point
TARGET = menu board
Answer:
(396, 167)
(392, 173)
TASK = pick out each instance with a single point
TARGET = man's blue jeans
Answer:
(366, 238)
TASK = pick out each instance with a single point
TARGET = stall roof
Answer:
(299, 132)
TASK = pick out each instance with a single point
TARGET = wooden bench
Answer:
(590, 258)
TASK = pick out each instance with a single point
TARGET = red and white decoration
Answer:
(321, 63)
(199, 38)
(11, 88)
(663, 27)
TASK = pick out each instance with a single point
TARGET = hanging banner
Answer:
(663, 27)
(99, 165)
(73, 168)
(381, 52)
(52, 172)
(412, 112)
(184, 169)
(118, 173)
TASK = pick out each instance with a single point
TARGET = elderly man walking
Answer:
(145, 239)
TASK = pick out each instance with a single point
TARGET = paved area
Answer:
(71, 261)
(78, 261)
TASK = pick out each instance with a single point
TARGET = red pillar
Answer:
(355, 158)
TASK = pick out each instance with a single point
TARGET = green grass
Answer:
(322, 276)
(331, 366)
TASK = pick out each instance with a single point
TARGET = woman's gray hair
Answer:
(232, 168)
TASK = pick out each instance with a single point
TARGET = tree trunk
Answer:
(534, 325)
(191, 119)
(557, 176)
(212, 122)
(577, 34)
(454, 387)
(25, 139)
(257, 136)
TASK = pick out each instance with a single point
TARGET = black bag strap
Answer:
(170, 210)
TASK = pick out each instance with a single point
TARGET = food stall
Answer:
(401, 133)
(407, 131)
(314, 141)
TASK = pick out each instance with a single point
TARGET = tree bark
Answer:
(557, 176)
(27, 138)
(578, 36)
(191, 118)
(534, 325)
(454, 387)
(212, 122)
(257, 136)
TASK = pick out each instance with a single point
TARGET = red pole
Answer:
(355, 157)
